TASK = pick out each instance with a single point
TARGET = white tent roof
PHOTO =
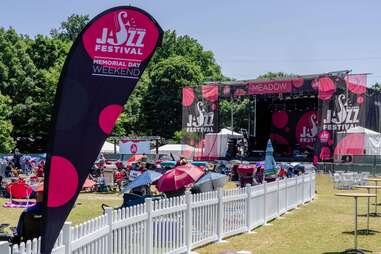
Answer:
(175, 148)
(360, 129)
(109, 148)
(225, 131)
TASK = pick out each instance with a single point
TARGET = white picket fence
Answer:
(180, 224)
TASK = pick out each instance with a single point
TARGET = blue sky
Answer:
(248, 37)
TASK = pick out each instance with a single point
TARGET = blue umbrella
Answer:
(146, 178)
(211, 181)
(270, 164)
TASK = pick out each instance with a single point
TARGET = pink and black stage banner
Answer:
(100, 72)
(200, 117)
(294, 130)
(342, 107)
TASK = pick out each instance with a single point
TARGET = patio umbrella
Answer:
(210, 181)
(146, 178)
(270, 164)
(88, 183)
(179, 177)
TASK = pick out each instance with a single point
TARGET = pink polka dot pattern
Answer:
(63, 181)
(108, 116)
(326, 88)
(280, 119)
(188, 96)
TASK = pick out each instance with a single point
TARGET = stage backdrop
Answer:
(200, 116)
(101, 70)
(293, 131)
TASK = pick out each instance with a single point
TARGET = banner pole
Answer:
(231, 113)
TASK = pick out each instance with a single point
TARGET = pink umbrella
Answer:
(88, 183)
(179, 177)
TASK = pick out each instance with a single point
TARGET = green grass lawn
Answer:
(319, 227)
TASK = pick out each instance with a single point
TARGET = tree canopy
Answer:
(30, 69)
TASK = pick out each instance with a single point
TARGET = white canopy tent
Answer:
(229, 133)
(359, 138)
(216, 144)
(177, 150)
(109, 148)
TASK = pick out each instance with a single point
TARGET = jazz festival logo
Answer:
(118, 44)
(307, 129)
(344, 117)
(308, 134)
(202, 121)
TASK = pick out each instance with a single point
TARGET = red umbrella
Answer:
(179, 177)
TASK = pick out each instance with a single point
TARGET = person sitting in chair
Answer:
(29, 225)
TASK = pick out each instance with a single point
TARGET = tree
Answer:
(70, 29)
(139, 108)
(189, 47)
(274, 75)
(29, 72)
(162, 105)
(46, 52)
(6, 141)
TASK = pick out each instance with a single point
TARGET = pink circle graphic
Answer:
(108, 116)
(360, 100)
(324, 136)
(326, 88)
(356, 83)
(298, 82)
(280, 119)
(121, 38)
(188, 96)
(210, 92)
(239, 92)
(134, 148)
(306, 129)
(63, 181)
(325, 153)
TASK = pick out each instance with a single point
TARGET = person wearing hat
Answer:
(36, 211)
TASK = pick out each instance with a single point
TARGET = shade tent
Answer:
(216, 144)
(109, 148)
(229, 133)
(358, 141)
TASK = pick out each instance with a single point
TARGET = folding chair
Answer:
(364, 177)
(337, 180)
(19, 190)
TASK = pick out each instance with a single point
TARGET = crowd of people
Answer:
(25, 168)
